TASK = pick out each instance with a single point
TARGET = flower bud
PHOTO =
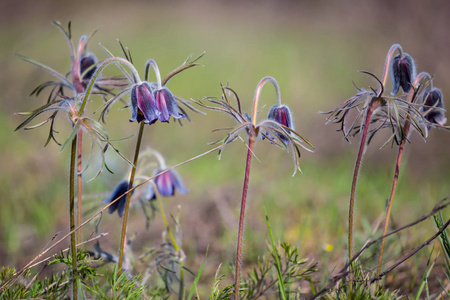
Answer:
(403, 73)
(434, 107)
(86, 62)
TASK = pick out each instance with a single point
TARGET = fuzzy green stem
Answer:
(72, 217)
(172, 239)
(80, 182)
(127, 203)
(97, 74)
(251, 142)
(372, 106)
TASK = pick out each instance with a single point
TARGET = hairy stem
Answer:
(391, 198)
(251, 142)
(80, 182)
(72, 217)
(421, 77)
(127, 203)
(388, 61)
(406, 129)
(372, 106)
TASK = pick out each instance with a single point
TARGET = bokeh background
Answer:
(313, 48)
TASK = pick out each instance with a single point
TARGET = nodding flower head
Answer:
(403, 73)
(166, 105)
(143, 104)
(88, 66)
(282, 115)
(278, 127)
(434, 107)
(166, 184)
(119, 205)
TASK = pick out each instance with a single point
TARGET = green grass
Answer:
(314, 69)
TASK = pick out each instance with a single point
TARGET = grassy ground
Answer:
(313, 50)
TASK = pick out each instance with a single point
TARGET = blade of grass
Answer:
(194, 284)
(280, 277)
(424, 281)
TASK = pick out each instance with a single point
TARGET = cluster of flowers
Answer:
(404, 75)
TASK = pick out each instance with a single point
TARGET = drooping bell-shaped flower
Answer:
(143, 104)
(166, 184)
(166, 104)
(119, 205)
(282, 115)
(403, 73)
(434, 107)
(87, 66)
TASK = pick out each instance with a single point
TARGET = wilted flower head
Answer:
(166, 184)
(119, 205)
(434, 107)
(403, 73)
(277, 127)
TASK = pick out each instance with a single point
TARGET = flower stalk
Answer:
(251, 142)
(73, 159)
(406, 128)
(80, 181)
(252, 134)
(373, 105)
(127, 203)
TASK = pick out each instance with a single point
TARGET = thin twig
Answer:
(376, 278)
(344, 272)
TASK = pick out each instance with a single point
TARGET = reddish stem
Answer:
(391, 197)
(372, 106)
(251, 142)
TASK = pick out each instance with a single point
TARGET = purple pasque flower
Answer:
(166, 104)
(282, 115)
(434, 107)
(403, 73)
(119, 205)
(143, 104)
(150, 103)
(166, 184)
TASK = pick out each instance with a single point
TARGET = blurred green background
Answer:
(313, 48)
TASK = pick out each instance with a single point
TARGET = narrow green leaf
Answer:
(53, 72)
(197, 278)
(280, 277)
